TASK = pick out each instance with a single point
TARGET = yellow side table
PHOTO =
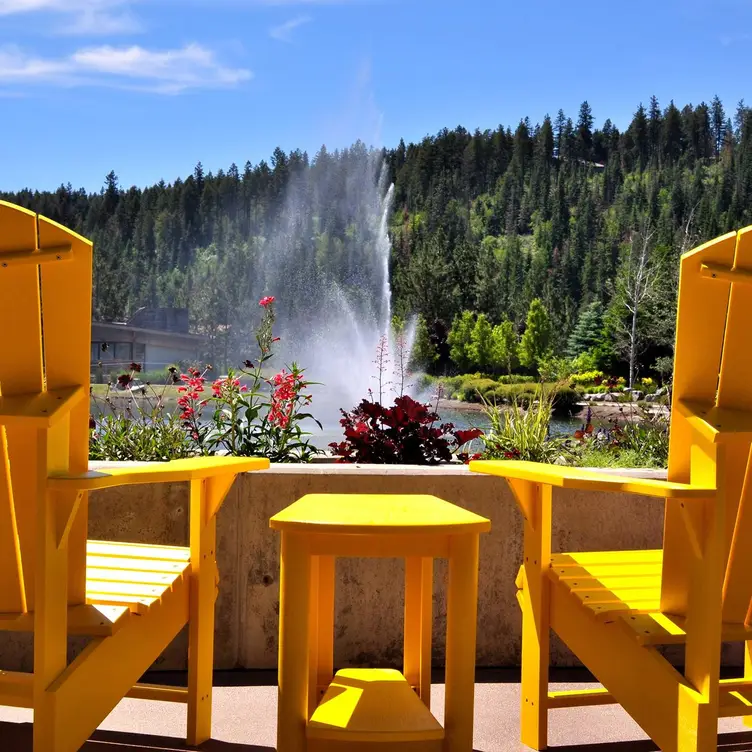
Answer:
(365, 708)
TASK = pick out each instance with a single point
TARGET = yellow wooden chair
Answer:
(615, 608)
(131, 600)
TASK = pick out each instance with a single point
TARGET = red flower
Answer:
(464, 436)
(92, 423)
(267, 301)
(124, 379)
(136, 367)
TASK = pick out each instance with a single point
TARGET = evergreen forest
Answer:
(560, 231)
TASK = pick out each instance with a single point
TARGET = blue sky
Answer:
(150, 87)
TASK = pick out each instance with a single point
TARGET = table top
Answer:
(393, 514)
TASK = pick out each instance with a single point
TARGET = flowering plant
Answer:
(136, 425)
(406, 433)
(251, 414)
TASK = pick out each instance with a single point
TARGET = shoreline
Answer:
(601, 411)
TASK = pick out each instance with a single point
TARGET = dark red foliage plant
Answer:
(407, 433)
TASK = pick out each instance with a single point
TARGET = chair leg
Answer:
(50, 632)
(536, 619)
(748, 673)
(697, 725)
(201, 618)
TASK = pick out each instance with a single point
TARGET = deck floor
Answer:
(245, 709)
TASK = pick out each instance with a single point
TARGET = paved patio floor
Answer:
(245, 710)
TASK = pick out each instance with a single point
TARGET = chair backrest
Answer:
(45, 336)
(713, 369)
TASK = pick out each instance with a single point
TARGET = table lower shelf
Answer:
(365, 708)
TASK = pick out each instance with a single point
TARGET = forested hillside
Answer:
(589, 220)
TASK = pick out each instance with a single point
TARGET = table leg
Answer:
(294, 597)
(462, 605)
(417, 625)
(313, 636)
(325, 641)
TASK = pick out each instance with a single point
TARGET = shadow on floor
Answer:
(736, 742)
(17, 737)
(268, 677)
(227, 678)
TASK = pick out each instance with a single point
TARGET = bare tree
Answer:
(635, 285)
(686, 239)
(689, 236)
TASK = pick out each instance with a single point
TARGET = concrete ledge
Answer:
(369, 597)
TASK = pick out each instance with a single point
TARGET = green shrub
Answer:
(586, 378)
(128, 436)
(523, 394)
(603, 389)
(424, 381)
(553, 368)
(517, 379)
(156, 377)
(452, 384)
(472, 390)
(565, 400)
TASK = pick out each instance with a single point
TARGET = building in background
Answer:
(154, 338)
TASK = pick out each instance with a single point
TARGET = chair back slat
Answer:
(735, 393)
(20, 372)
(66, 313)
(734, 389)
(700, 325)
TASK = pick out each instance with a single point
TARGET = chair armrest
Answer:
(39, 409)
(194, 468)
(573, 477)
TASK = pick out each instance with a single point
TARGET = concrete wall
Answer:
(369, 596)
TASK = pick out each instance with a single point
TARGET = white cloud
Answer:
(8, 7)
(85, 17)
(94, 21)
(284, 31)
(158, 71)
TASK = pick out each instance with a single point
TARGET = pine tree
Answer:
(672, 140)
(111, 195)
(488, 281)
(588, 332)
(560, 124)
(538, 336)
(717, 125)
(585, 132)
(424, 353)
(655, 127)
(639, 129)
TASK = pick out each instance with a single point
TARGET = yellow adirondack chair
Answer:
(614, 608)
(131, 600)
